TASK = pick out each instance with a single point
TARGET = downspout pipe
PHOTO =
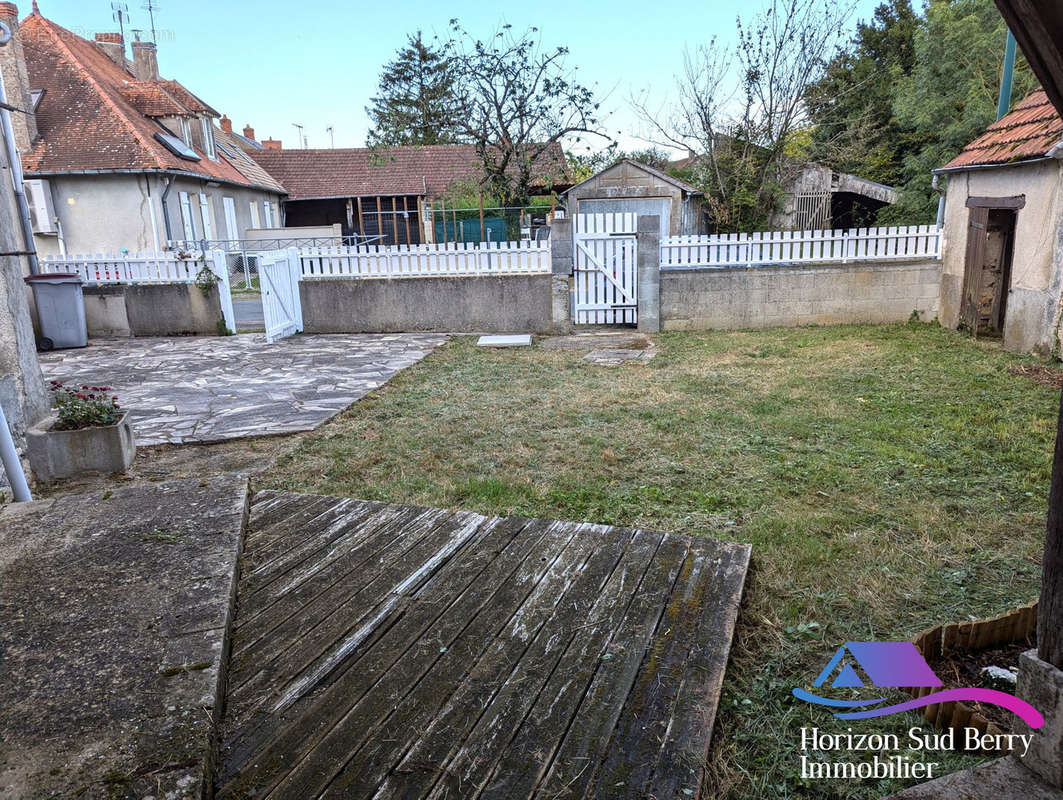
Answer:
(15, 161)
(166, 211)
(1007, 76)
(941, 199)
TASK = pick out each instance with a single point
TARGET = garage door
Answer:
(661, 206)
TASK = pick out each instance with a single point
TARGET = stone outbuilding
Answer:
(1002, 250)
(631, 187)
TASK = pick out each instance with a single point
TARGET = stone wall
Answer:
(822, 294)
(166, 309)
(488, 303)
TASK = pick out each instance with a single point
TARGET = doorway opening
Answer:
(987, 273)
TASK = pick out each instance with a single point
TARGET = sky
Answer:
(273, 63)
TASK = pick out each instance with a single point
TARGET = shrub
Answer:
(87, 407)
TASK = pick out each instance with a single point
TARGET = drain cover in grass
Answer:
(520, 340)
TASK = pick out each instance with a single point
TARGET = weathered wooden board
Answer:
(399, 652)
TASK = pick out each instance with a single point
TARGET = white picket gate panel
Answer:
(605, 269)
(282, 308)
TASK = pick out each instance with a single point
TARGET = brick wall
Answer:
(822, 294)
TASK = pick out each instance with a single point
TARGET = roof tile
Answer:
(1032, 129)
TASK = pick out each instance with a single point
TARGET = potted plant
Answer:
(88, 433)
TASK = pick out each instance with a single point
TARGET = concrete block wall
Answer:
(822, 294)
(165, 309)
(487, 303)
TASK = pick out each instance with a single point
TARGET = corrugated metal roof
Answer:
(1032, 129)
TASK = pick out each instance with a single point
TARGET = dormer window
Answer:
(186, 131)
(208, 138)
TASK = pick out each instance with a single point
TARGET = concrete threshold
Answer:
(116, 609)
(1003, 779)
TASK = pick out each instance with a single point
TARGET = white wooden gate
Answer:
(605, 269)
(278, 272)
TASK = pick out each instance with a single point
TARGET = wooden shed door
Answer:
(972, 278)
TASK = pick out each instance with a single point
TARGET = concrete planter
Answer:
(55, 455)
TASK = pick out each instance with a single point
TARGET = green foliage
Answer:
(417, 103)
(87, 407)
(583, 166)
(908, 93)
(951, 95)
(851, 106)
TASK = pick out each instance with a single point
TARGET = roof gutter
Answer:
(175, 172)
(15, 162)
(975, 167)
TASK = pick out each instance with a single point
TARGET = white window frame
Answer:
(186, 131)
(255, 222)
(232, 230)
(204, 209)
(187, 217)
(268, 210)
(208, 138)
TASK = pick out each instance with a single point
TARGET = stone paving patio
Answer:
(209, 389)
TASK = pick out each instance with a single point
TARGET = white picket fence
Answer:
(125, 268)
(147, 268)
(453, 258)
(764, 248)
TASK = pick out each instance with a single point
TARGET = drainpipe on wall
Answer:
(166, 211)
(941, 200)
(16, 166)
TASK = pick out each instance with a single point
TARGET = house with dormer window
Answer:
(117, 157)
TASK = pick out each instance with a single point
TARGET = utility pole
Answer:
(1007, 76)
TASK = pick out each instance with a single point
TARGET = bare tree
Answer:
(517, 101)
(737, 111)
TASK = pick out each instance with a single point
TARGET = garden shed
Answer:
(632, 187)
(1002, 264)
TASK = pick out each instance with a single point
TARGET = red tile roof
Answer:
(95, 116)
(1032, 129)
(418, 170)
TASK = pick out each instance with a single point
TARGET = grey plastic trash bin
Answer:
(60, 309)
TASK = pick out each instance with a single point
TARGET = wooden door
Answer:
(977, 223)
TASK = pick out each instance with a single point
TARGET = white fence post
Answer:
(296, 271)
(220, 269)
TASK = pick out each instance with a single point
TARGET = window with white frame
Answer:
(186, 131)
(229, 207)
(269, 213)
(204, 208)
(208, 138)
(255, 222)
(187, 218)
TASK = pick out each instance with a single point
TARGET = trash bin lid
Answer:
(54, 277)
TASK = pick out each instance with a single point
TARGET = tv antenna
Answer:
(331, 137)
(120, 15)
(151, 7)
(299, 135)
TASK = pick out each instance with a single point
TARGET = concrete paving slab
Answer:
(611, 357)
(513, 340)
(114, 612)
(211, 389)
(1004, 779)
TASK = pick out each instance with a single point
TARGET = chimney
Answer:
(272, 144)
(17, 81)
(145, 61)
(114, 46)
(226, 124)
(249, 132)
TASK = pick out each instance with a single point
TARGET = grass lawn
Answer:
(889, 479)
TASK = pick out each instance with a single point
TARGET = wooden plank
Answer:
(480, 660)
(537, 696)
(1050, 608)
(473, 612)
(575, 765)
